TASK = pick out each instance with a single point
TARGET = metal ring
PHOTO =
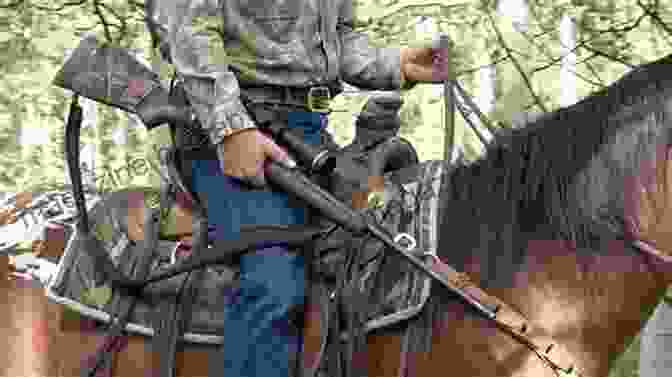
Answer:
(407, 237)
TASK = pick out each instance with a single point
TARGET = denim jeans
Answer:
(258, 335)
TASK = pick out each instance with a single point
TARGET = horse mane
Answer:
(561, 177)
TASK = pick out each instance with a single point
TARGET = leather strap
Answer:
(115, 332)
(105, 354)
(514, 323)
(283, 95)
(118, 323)
(167, 318)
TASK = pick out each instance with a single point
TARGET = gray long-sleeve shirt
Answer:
(216, 45)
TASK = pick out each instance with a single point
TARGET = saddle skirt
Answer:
(410, 205)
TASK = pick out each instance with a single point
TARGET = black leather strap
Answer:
(167, 319)
(118, 324)
(283, 95)
(115, 331)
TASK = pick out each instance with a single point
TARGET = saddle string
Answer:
(355, 316)
(117, 324)
(337, 364)
(358, 316)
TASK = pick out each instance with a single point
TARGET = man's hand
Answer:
(424, 64)
(243, 154)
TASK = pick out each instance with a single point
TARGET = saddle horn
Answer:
(375, 150)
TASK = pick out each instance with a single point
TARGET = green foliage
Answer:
(613, 35)
(627, 365)
(410, 115)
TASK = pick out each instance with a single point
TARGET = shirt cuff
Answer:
(227, 124)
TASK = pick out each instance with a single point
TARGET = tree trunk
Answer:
(568, 92)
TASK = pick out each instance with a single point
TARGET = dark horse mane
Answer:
(562, 177)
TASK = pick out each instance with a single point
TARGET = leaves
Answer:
(97, 296)
(611, 34)
(104, 231)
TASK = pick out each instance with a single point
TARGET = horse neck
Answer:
(593, 304)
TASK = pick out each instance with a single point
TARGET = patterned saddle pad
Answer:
(402, 290)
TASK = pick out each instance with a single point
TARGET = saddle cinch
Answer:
(349, 276)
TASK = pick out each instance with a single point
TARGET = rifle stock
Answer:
(112, 76)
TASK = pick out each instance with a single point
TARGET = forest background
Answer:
(517, 58)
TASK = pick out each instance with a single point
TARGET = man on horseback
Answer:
(235, 60)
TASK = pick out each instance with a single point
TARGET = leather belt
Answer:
(312, 98)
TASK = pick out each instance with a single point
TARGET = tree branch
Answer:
(583, 44)
(608, 56)
(625, 29)
(596, 74)
(361, 25)
(15, 4)
(515, 62)
(478, 68)
(122, 20)
(106, 26)
(543, 50)
(655, 16)
(58, 9)
(137, 4)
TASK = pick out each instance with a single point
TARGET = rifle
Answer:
(121, 71)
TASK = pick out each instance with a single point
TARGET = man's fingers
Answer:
(278, 154)
(256, 181)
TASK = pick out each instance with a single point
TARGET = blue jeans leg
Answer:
(258, 334)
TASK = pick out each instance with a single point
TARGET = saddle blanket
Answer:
(397, 290)
(30, 213)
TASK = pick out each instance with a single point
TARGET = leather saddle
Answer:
(189, 306)
(388, 292)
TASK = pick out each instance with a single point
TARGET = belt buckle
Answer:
(318, 99)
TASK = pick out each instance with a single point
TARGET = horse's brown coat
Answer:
(593, 305)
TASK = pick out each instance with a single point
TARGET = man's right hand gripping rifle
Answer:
(243, 154)
(213, 90)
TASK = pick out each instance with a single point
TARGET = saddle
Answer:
(380, 289)
(350, 277)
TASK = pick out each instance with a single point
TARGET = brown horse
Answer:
(39, 339)
(547, 222)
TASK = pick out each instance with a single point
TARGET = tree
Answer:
(611, 37)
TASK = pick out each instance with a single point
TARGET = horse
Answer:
(564, 220)
(41, 338)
